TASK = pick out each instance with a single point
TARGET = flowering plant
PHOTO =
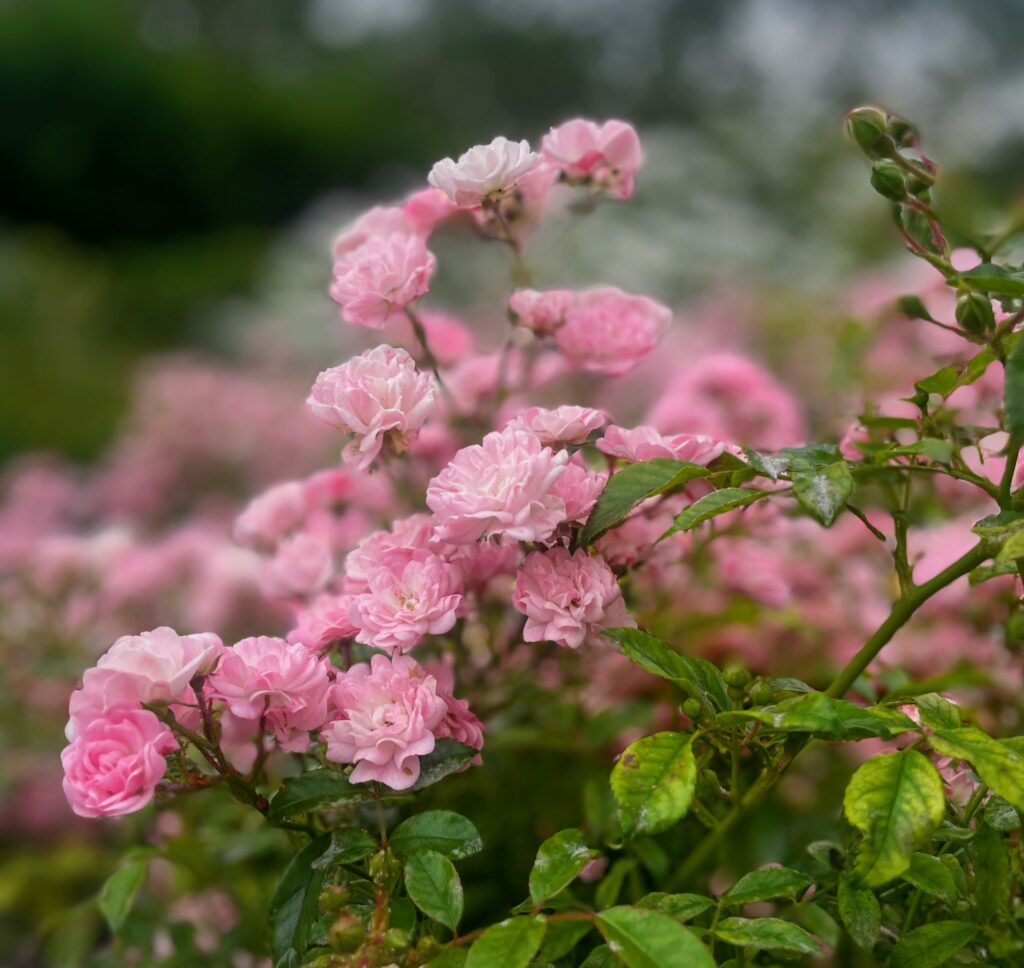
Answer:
(483, 538)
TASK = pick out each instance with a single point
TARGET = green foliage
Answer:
(654, 781)
(766, 934)
(434, 887)
(712, 505)
(998, 765)
(119, 892)
(644, 938)
(294, 907)
(510, 944)
(442, 831)
(559, 861)
(315, 790)
(767, 885)
(932, 945)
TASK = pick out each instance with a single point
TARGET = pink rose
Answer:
(459, 723)
(610, 331)
(379, 397)
(606, 156)
(405, 600)
(379, 222)
(568, 598)
(381, 278)
(113, 765)
(301, 567)
(645, 443)
(855, 434)
(323, 622)
(501, 486)
(541, 312)
(284, 682)
(389, 710)
(483, 172)
(407, 538)
(563, 425)
(426, 208)
(579, 487)
(271, 516)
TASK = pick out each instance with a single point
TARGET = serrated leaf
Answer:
(770, 465)
(295, 906)
(1001, 816)
(937, 711)
(998, 765)
(654, 781)
(442, 831)
(941, 382)
(448, 757)
(347, 844)
(559, 861)
(315, 790)
(434, 887)
(647, 939)
(679, 907)
(990, 277)
(767, 934)
(929, 874)
(999, 526)
(633, 484)
(896, 801)
(860, 912)
(510, 944)
(561, 937)
(814, 712)
(767, 884)
(931, 945)
(712, 505)
(118, 893)
(824, 492)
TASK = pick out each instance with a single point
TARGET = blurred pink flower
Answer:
(606, 156)
(483, 172)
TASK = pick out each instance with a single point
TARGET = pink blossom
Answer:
(406, 600)
(568, 598)
(483, 172)
(113, 765)
(407, 538)
(323, 622)
(579, 487)
(481, 562)
(541, 312)
(459, 723)
(285, 683)
(268, 518)
(501, 486)
(448, 337)
(606, 156)
(389, 712)
(855, 434)
(379, 222)
(426, 208)
(645, 443)
(301, 567)
(610, 331)
(379, 397)
(563, 425)
(381, 278)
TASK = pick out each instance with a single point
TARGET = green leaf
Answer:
(442, 831)
(896, 801)
(119, 890)
(824, 492)
(679, 907)
(713, 504)
(653, 782)
(633, 484)
(608, 891)
(929, 874)
(315, 790)
(348, 844)
(510, 944)
(942, 382)
(559, 862)
(770, 465)
(697, 676)
(937, 711)
(989, 277)
(860, 913)
(1001, 816)
(814, 712)
(448, 756)
(601, 957)
(767, 884)
(931, 945)
(434, 887)
(561, 938)
(767, 934)
(295, 907)
(1014, 391)
(999, 526)
(647, 939)
(913, 307)
(450, 958)
(998, 765)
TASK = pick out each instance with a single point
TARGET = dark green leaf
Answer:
(647, 939)
(999, 526)
(680, 907)
(767, 884)
(653, 782)
(929, 874)
(941, 382)
(448, 756)
(814, 712)
(1014, 391)
(442, 831)
(608, 891)
(931, 945)
(1001, 816)
(767, 934)
(860, 912)
(450, 958)
(561, 938)
(824, 492)
(434, 887)
(295, 907)
(510, 944)
(633, 484)
(937, 711)
(315, 790)
(601, 957)
(347, 845)
(990, 864)
(989, 277)
(996, 763)
(712, 505)
(119, 890)
(559, 862)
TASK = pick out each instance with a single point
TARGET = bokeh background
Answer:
(171, 172)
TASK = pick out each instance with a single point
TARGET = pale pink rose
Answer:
(606, 156)
(483, 172)
(448, 337)
(756, 569)
(271, 516)
(301, 567)
(579, 487)
(382, 277)
(610, 331)
(730, 397)
(459, 723)
(379, 397)
(154, 667)
(389, 711)
(323, 622)
(407, 538)
(285, 683)
(114, 764)
(563, 425)
(406, 600)
(481, 561)
(855, 434)
(428, 207)
(239, 740)
(501, 486)
(568, 598)
(379, 222)
(337, 485)
(541, 312)
(645, 443)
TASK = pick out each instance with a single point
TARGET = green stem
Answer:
(1006, 482)
(428, 353)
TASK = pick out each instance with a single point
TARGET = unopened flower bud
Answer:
(384, 869)
(737, 678)
(396, 939)
(974, 312)
(333, 898)
(887, 180)
(693, 708)
(710, 777)
(901, 131)
(347, 933)
(761, 693)
(866, 126)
